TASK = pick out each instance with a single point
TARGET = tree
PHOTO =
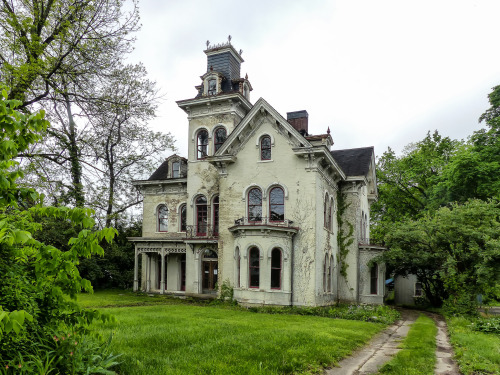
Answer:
(54, 46)
(455, 252)
(406, 182)
(39, 282)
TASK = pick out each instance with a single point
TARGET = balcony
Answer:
(285, 223)
(262, 226)
(202, 231)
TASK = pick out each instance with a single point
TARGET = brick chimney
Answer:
(299, 120)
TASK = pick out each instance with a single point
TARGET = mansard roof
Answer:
(354, 161)
(162, 172)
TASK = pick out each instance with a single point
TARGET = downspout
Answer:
(291, 272)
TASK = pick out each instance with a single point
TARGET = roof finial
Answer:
(208, 43)
(328, 131)
(229, 39)
(241, 51)
(211, 68)
(246, 76)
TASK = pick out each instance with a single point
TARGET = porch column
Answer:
(136, 270)
(162, 271)
(148, 273)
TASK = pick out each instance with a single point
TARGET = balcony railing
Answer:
(275, 222)
(202, 231)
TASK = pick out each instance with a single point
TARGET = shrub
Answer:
(488, 325)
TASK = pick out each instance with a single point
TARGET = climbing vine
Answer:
(344, 237)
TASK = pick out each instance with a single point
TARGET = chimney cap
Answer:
(296, 114)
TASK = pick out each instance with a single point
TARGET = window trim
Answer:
(275, 268)
(267, 148)
(203, 145)
(250, 267)
(158, 225)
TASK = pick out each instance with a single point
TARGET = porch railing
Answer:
(272, 221)
(202, 231)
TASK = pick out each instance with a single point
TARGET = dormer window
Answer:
(176, 169)
(212, 87)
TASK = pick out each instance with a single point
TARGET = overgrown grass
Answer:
(417, 355)
(168, 336)
(476, 352)
(118, 298)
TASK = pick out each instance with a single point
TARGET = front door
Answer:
(210, 273)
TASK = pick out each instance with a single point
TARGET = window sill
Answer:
(265, 161)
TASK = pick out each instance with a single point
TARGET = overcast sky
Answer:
(378, 73)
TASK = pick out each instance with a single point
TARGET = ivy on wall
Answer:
(344, 235)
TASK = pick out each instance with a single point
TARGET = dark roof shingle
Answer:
(161, 173)
(354, 161)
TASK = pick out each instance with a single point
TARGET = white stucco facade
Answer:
(255, 205)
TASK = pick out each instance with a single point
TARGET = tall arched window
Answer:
(330, 214)
(265, 148)
(255, 205)
(374, 279)
(277, 204)
(182, 220)
(202, 144)
(325, 266)
(201, 216)
(220, 136)
(254, 268)
(276, 269)
(328, 278)
(238, 265)
(162, 218)
(325, 212)
(215, 222)
(331, 273)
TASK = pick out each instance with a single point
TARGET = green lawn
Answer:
(476, 352)
(180, 338)
(417, 356)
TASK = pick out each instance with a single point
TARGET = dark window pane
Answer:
(255, 205)
(220, 138)
(277, 204)
(373, 279)
(183, 218)
(202, 145)
(254, 267)
(162, 218)
(276, 258)
(212, 87)
(265, 148)
(255, 196)
(276, 279)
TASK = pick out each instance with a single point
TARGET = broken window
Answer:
(202, 144)
(219, 138)
(277, 204)
(212, 87)
(418, 290)
(254, 268)
(265, 148)
(276, 269)
(255, 205)
(162, 218)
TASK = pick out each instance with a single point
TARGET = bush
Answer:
(488, 325)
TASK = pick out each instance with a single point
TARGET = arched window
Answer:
(212, 87)
(201, 216)
(162, 218)
(215, 222)
(331, 273)
(325, 266)
(254, 268)
(328, 278)
(176, 169)
(255, 205)
(182, 218)
(202, 144)
(238, 265)
(265, 148)
(325, 211)
(330, 215)
(276, 269)
(220, 136)
(374, 279)
(277, 204)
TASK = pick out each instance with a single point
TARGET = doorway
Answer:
(209, 271)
